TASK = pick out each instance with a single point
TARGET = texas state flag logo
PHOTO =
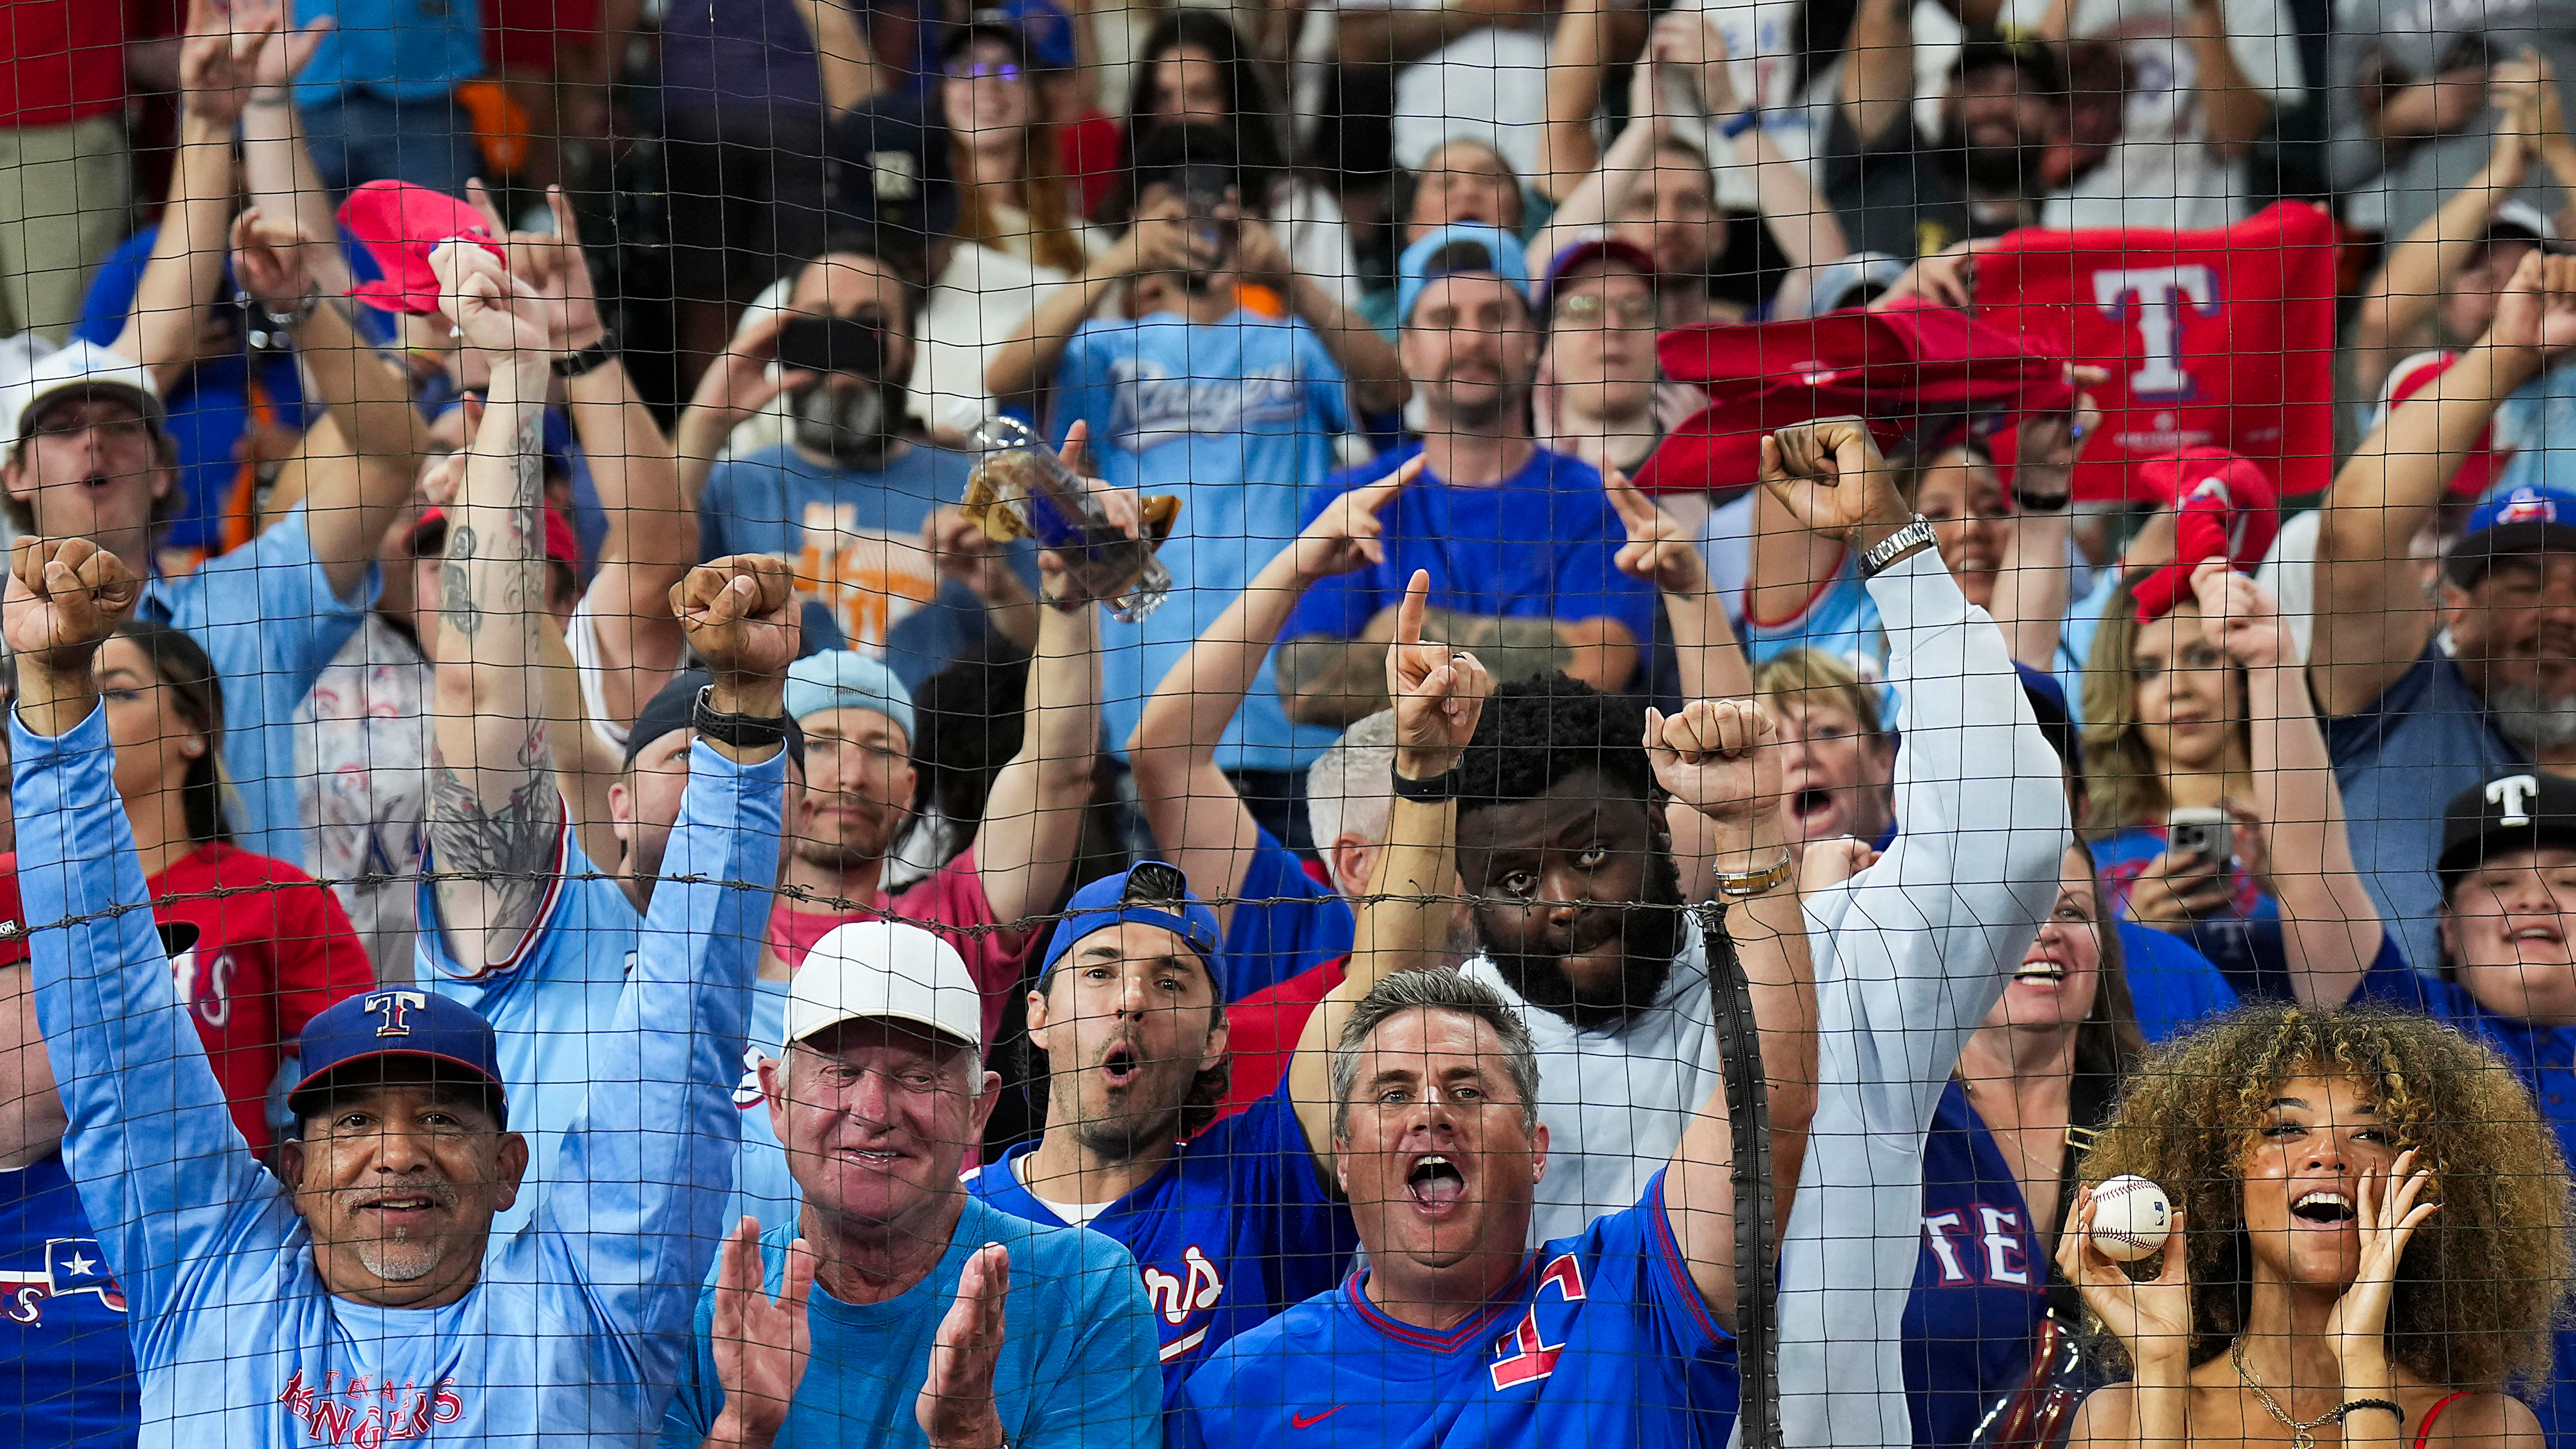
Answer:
(75, 1265)
(2527, 505)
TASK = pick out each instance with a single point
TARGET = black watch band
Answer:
(742, 731)
(1438, 790)
(589, 360)
(2046, 503)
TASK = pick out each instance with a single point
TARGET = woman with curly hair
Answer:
(2305, 1151)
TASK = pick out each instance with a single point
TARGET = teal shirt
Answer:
(1078, 1370)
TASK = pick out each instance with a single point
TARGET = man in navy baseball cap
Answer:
(401, 1153)
(398, 1034)
(1229, 1223)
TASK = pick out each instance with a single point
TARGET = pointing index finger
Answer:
(1417, 603)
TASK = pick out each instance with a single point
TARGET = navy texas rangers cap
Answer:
(401, 1021)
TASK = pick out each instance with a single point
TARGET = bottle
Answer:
(1022, 477)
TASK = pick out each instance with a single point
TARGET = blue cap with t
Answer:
(847, 679)
(1151, 893)
(400, 1021)
(1464, 246)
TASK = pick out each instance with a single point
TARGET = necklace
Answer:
(2302, 1436)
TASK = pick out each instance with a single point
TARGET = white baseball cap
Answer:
(885, 970)
(83, 367)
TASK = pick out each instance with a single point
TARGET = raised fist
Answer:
(1830, 476)
(1716, 757)
(65, 597)
(736, 614)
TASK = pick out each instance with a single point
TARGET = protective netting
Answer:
(1429, 722)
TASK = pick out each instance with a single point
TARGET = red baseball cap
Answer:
(400, 225)
(2484, 464)
(1896, 368)
(562, 545)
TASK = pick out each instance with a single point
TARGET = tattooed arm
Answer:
(495, 815)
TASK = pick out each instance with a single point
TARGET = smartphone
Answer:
(833, 344)
(2204, 831)
(1204, 190)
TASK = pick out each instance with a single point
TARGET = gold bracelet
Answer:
(1756, 882)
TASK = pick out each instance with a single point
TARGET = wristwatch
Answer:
(2045, 503)
(1913, 538)
(1438, 790)
(1754, 882)
(742, 731)
(588, 360)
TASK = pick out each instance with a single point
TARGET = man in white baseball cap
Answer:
(880, 1092)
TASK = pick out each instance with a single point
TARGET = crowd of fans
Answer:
(1435, 723)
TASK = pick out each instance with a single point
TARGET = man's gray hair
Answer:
(1434, 990)
(1347, 789)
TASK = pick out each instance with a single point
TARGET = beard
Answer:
(2014, 170)
(854, 427)
(2530, 719)
(399, 1259)
(1504, 404)
(1650, 935)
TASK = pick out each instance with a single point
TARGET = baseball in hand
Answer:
(2130, 1218)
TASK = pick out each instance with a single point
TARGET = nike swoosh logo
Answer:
(1309, 1421)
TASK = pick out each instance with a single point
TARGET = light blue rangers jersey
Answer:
(580, 1324)
(548, 1003)
(265, 615)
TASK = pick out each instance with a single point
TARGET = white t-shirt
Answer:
(981, 297)
(363, 745)
(2162, 172)
(1615, 1105)
(2290, 572)
(1489, 86)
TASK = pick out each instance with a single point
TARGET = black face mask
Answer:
(856, 428)
(1650, 936)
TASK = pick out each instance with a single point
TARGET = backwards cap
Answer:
(1460, 247)
(1152, 893)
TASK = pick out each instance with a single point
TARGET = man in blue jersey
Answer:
(1521, 543)
(516, 921)
(897, 1308)
(1455, 1333)
(1229, 1223)
(361, 1300)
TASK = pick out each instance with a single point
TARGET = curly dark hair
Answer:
(1539, 731)
(2478, 1286)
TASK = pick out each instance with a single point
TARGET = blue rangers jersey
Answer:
(1235, 1228)
(1602, 1340)
(70, 1380)
(1981, 1287)
(579, 1324)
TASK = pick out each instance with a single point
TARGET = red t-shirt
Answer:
(273, 950)
(951, 904)
(60, 61)
(1262, 1031)
(1089, 152)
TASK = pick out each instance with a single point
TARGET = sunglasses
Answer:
(1627, 312)
(984, 70)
